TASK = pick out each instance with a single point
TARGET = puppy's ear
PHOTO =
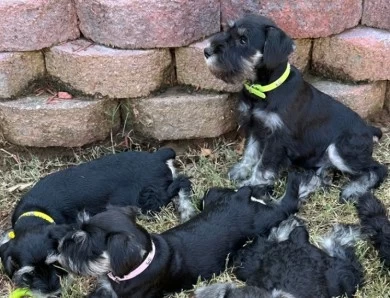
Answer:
(10, 265)
(125, 253)
(278, 46)
(130, 211)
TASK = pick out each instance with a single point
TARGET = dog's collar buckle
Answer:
(260, 90)
(137, 271)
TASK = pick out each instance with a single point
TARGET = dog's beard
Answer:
(234, 72)
(97, 267)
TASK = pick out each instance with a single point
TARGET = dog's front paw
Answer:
(247, 182)
(348, 196)
(239, 172)
(101, 293)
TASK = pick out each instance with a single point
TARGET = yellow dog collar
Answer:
(11, 234)
(259, 90)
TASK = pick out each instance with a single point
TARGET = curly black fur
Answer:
(375, 224)
(288, 262)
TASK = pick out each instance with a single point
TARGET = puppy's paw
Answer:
(239, 172)
(184, 205)
(349, 195)
(261, 179)
(310, 182)
(247, 182)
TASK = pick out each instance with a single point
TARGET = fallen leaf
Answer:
(20, 186)
(240, 147)
(64, 95)
(205, 152)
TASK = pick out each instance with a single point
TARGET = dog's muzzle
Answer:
(208, 52)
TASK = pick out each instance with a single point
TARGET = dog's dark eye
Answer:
(218, 49)
(243, 40)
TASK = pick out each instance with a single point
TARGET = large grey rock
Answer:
(177, 114)
(33, 121)
(28, 25)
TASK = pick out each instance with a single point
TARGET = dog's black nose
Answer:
(208, 52)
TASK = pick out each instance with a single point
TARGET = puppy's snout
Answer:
(208, 52)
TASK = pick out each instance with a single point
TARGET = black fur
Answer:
(229, 290)
(296, 124)
(295, 266)
(375, 224)
(196, 248)
(131, 178)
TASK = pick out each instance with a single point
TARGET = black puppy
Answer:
(286, 120)
(286, 265)
(43, 215)
(145, 265)
(375, 224)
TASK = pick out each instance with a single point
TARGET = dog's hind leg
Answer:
(181, 187)
(243, 169)
(353, 154)
(345, 274)
(338, 239)
(267, 168)
(370, 178)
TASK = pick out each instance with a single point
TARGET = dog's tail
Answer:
(165, 154)
(376, 133)
(339, 239)
(372, 214)
(375, 224)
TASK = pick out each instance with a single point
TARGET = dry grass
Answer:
(320, 212)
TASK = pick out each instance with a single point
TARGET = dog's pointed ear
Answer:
(130, 211)
(125, 253)
(278, 46)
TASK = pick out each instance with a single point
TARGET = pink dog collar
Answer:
(137, 271)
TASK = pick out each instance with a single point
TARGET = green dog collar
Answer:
(260, 90)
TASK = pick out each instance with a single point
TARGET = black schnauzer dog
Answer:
(375, 224)
(45, 214)
(286, 265)
(130, 262)
(286, 120)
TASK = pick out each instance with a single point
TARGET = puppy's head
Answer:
(110, 241)
(247, 45)
(24, 258)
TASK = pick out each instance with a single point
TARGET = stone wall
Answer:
(129, 63)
